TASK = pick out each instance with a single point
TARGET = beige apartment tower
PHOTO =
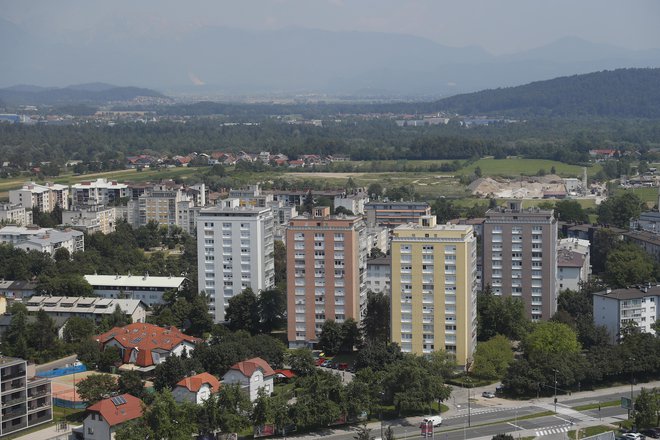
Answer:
(326, 271)
(434, 288)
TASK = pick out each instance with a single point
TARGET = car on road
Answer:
(633, 436)
(436, 420)
(488, 394)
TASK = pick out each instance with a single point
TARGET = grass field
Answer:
(589, 431)
(648, 195)
(514, 167)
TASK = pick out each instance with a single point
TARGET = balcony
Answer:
(11, 428)
(13, 413)
(12, 375)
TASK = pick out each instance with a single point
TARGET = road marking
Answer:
(483, 411)
(563, 420)
(553, 430)
(515, 426)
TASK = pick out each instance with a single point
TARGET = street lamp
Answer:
(631, 407)
(555, 371)
(467, 379)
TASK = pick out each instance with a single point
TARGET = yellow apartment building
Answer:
(434, 288)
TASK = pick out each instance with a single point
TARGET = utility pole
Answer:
(631, 408)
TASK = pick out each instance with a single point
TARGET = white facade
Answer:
(234, 252)
(44, 197)
(183, 394)
(353, 202)
(378, 236)
(98, 192)
(379, 275)
(615, 309)
(97, 428)
(42, 239)
(15, 214)
(148, 289)
(250, 385)
(91, 219)
(89, 308)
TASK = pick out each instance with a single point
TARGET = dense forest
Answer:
(622, 93)
(558, 139)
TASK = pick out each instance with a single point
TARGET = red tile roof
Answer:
(194, 383)
(115, 412)
(285, 373)
(248, 367)
(145, 337)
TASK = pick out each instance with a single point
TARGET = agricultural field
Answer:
(647, 195)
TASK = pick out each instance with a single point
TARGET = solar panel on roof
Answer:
(118, 400)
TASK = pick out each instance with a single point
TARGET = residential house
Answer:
(106, 416)
(196, 389)
(91, 308)
(252, 375)
(147, 345)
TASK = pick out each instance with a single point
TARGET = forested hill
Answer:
(627, 93)
(94, 93)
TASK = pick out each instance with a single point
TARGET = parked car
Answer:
(488, 394)
(343, 366)
(436, 420)
(651, 432)
(633, 436)
(334, 365)
(326, 364)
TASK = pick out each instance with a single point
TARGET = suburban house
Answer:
(251, 375)
(196, 389)
(147, 345)
(615, 309)
(104, 417)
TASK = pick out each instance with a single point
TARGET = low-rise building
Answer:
(252, 375)
(649, 241)
(106, 416)
(91, 308)
(352, 202)
(15, 214)
(147, 345)
(17, 290)
(196, 389)
(573, 263)
(647, 221)
(147, 288)
(26, 399)
(34, 238)
(615, 309)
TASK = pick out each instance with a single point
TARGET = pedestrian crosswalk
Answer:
(463, 411)
(558, 429)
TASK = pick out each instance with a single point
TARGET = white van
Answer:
(436, 420)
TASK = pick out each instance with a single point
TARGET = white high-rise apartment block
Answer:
(15, 214)
(234, 252)
(98, 192)
(44, 197)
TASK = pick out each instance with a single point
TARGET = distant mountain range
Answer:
(91, 93)
(617, 93)
(295, 61)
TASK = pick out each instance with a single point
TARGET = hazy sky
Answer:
(499, 26)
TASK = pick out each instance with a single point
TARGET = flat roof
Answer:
(630, 293)
(134, 281)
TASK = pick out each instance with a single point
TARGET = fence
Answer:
(65, 371)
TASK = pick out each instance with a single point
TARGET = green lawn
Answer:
(589, 431)
(515, 167)
(648, 195)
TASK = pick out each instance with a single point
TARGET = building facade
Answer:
(43, 197)
(91, 308)
(392, 214)
(91, 219)
(148, 289)
(379, 275)
(326, 275)
(520, 257)
(26, 399)
(615, 309)
(98, 192)
(34, 238)
(234, 251)
(434, 288)
(15, 214)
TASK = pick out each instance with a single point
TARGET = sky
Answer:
(499, 26)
